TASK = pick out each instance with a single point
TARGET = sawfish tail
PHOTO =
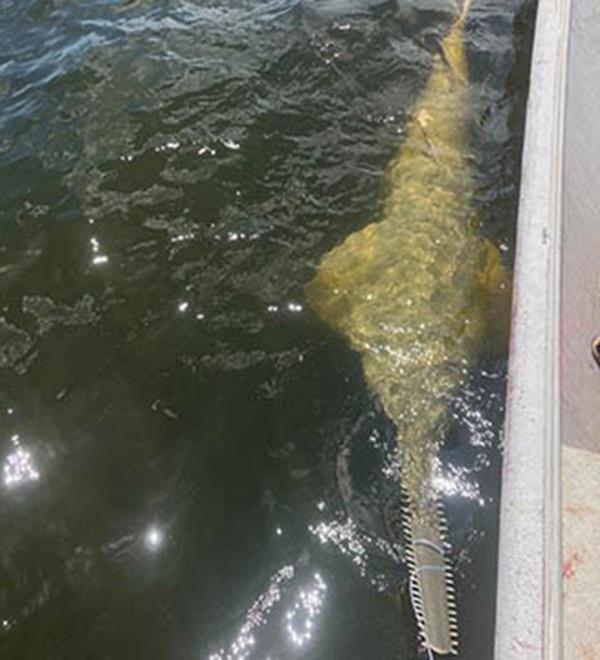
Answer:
(431, 585)
(453, 47)
(464, 10)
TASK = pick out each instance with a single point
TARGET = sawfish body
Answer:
(413, 293)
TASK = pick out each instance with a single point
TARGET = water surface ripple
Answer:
(192, 465)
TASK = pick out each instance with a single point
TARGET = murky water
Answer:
(192, 464)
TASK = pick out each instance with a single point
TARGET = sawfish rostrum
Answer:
(413, 294)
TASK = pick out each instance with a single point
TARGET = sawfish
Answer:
(415, 293)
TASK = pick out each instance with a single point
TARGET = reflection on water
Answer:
(256, 616)
(298, 612)
(18, 467)
(154, 538)
(97, 259)
(348, 540)
(192, 465)
(456, 481)
(300, 618)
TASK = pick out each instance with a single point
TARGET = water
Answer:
(192, 464)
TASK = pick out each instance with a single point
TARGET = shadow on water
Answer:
(192, 464)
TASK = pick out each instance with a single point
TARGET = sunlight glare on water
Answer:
(241, 647)
(18, 467)
(193, 465)
(301, 617)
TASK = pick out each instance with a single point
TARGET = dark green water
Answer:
(192, 465)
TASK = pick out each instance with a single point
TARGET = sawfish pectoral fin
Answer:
(332, 290)
(495, 297)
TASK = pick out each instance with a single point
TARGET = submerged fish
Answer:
(414, 294)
